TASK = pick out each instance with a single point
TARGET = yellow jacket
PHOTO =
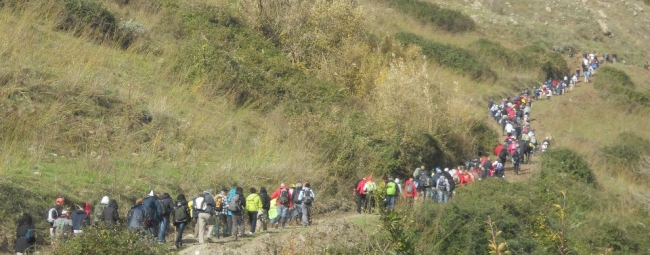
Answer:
(253, 203)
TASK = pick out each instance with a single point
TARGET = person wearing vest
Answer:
(391, 193)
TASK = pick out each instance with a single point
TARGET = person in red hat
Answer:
(55, 212)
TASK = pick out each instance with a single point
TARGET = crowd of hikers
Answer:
(520, 144)
(213, 215)
(224, 214)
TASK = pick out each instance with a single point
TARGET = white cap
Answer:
(151, 193)
(397, 180)
(105, 200)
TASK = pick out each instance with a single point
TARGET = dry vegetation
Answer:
(181, 96)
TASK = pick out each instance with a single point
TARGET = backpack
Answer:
(180, 214)
(409, 188)
(29, 234)
(417, 172)
(503, 153)
(295, 198)
(52, 215)
(63, 230)
(308, 197)
(165, 209)
(442, 183)
(284, 197)
(235, 203)
(425, 180)
(219, 203)
(199, 203)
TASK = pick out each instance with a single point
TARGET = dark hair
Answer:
(224, 189)
(306, 185)
(262, 190)
(253, 190)
(181, 197)
(239, 190)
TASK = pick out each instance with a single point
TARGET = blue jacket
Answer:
(79, 219)
(152, 209)
(136, 217)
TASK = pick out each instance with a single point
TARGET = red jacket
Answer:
(360, 187)
(498, 149)
(276, 194)
(412, 194)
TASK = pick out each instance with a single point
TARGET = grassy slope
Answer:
(229, 143)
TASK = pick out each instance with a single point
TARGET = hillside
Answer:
(114, 97)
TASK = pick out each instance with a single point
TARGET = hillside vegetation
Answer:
(114, 97)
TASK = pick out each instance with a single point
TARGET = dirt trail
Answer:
(332, 230)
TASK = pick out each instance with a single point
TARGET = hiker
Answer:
(410, 191)
(283, 203)
(231, 193)
(416, 178)
(54, 213)
(498, 168)
(80, 220)
(369, 189)
(25, 234)
(167, 207)
(205, 206)
(99, 210)
(443, 187)
(263, 215)
(137, 217)
(307, 197)
(452, 184)
(391, 194)
(110, 215)
(296, 214)
(236, 207)
(154, 212)
(221, 215)
(516, 158)
(425, 181)
(195, 213)
(253, 207)
(360, 193)
(545, 144)
(63, 226)
(181, 217)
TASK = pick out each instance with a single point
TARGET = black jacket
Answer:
(166, 204)
(266, 200)
(21, 242)
(110, 214)
(79, 219)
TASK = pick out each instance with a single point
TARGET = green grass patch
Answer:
(615, 83)
(568, 164)
(446, 19)
(461, 60)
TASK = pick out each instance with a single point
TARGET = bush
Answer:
(568, 164)
(627, 152)
(456, 58)
(108, 241)
(617, 84)
(81, 16)
(446, 19)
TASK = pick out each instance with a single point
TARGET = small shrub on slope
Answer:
(567, 163)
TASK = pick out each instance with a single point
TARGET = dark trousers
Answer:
(180, 227)
(361, 201)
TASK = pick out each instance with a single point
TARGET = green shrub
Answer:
(618, 85)
(81, 16)
(568, 164)
(490, 51)
(446, 19)
(456, 58)
(108, 241)
(628, 151)
(610, 77)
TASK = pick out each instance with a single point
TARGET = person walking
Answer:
(110, 216)
(63, 226)
(54, 213)
(236, 207)
(154, 212)
(205, 209)
(137, 217)
(25, 237)
(167, 207)
(253, 206)
(181, 217)
(80, 220)
(307, 197)
(99, 210)
(391, 193)
(263, 215)
(283, 203)
(221, 215)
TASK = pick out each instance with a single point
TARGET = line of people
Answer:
(220, 215)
